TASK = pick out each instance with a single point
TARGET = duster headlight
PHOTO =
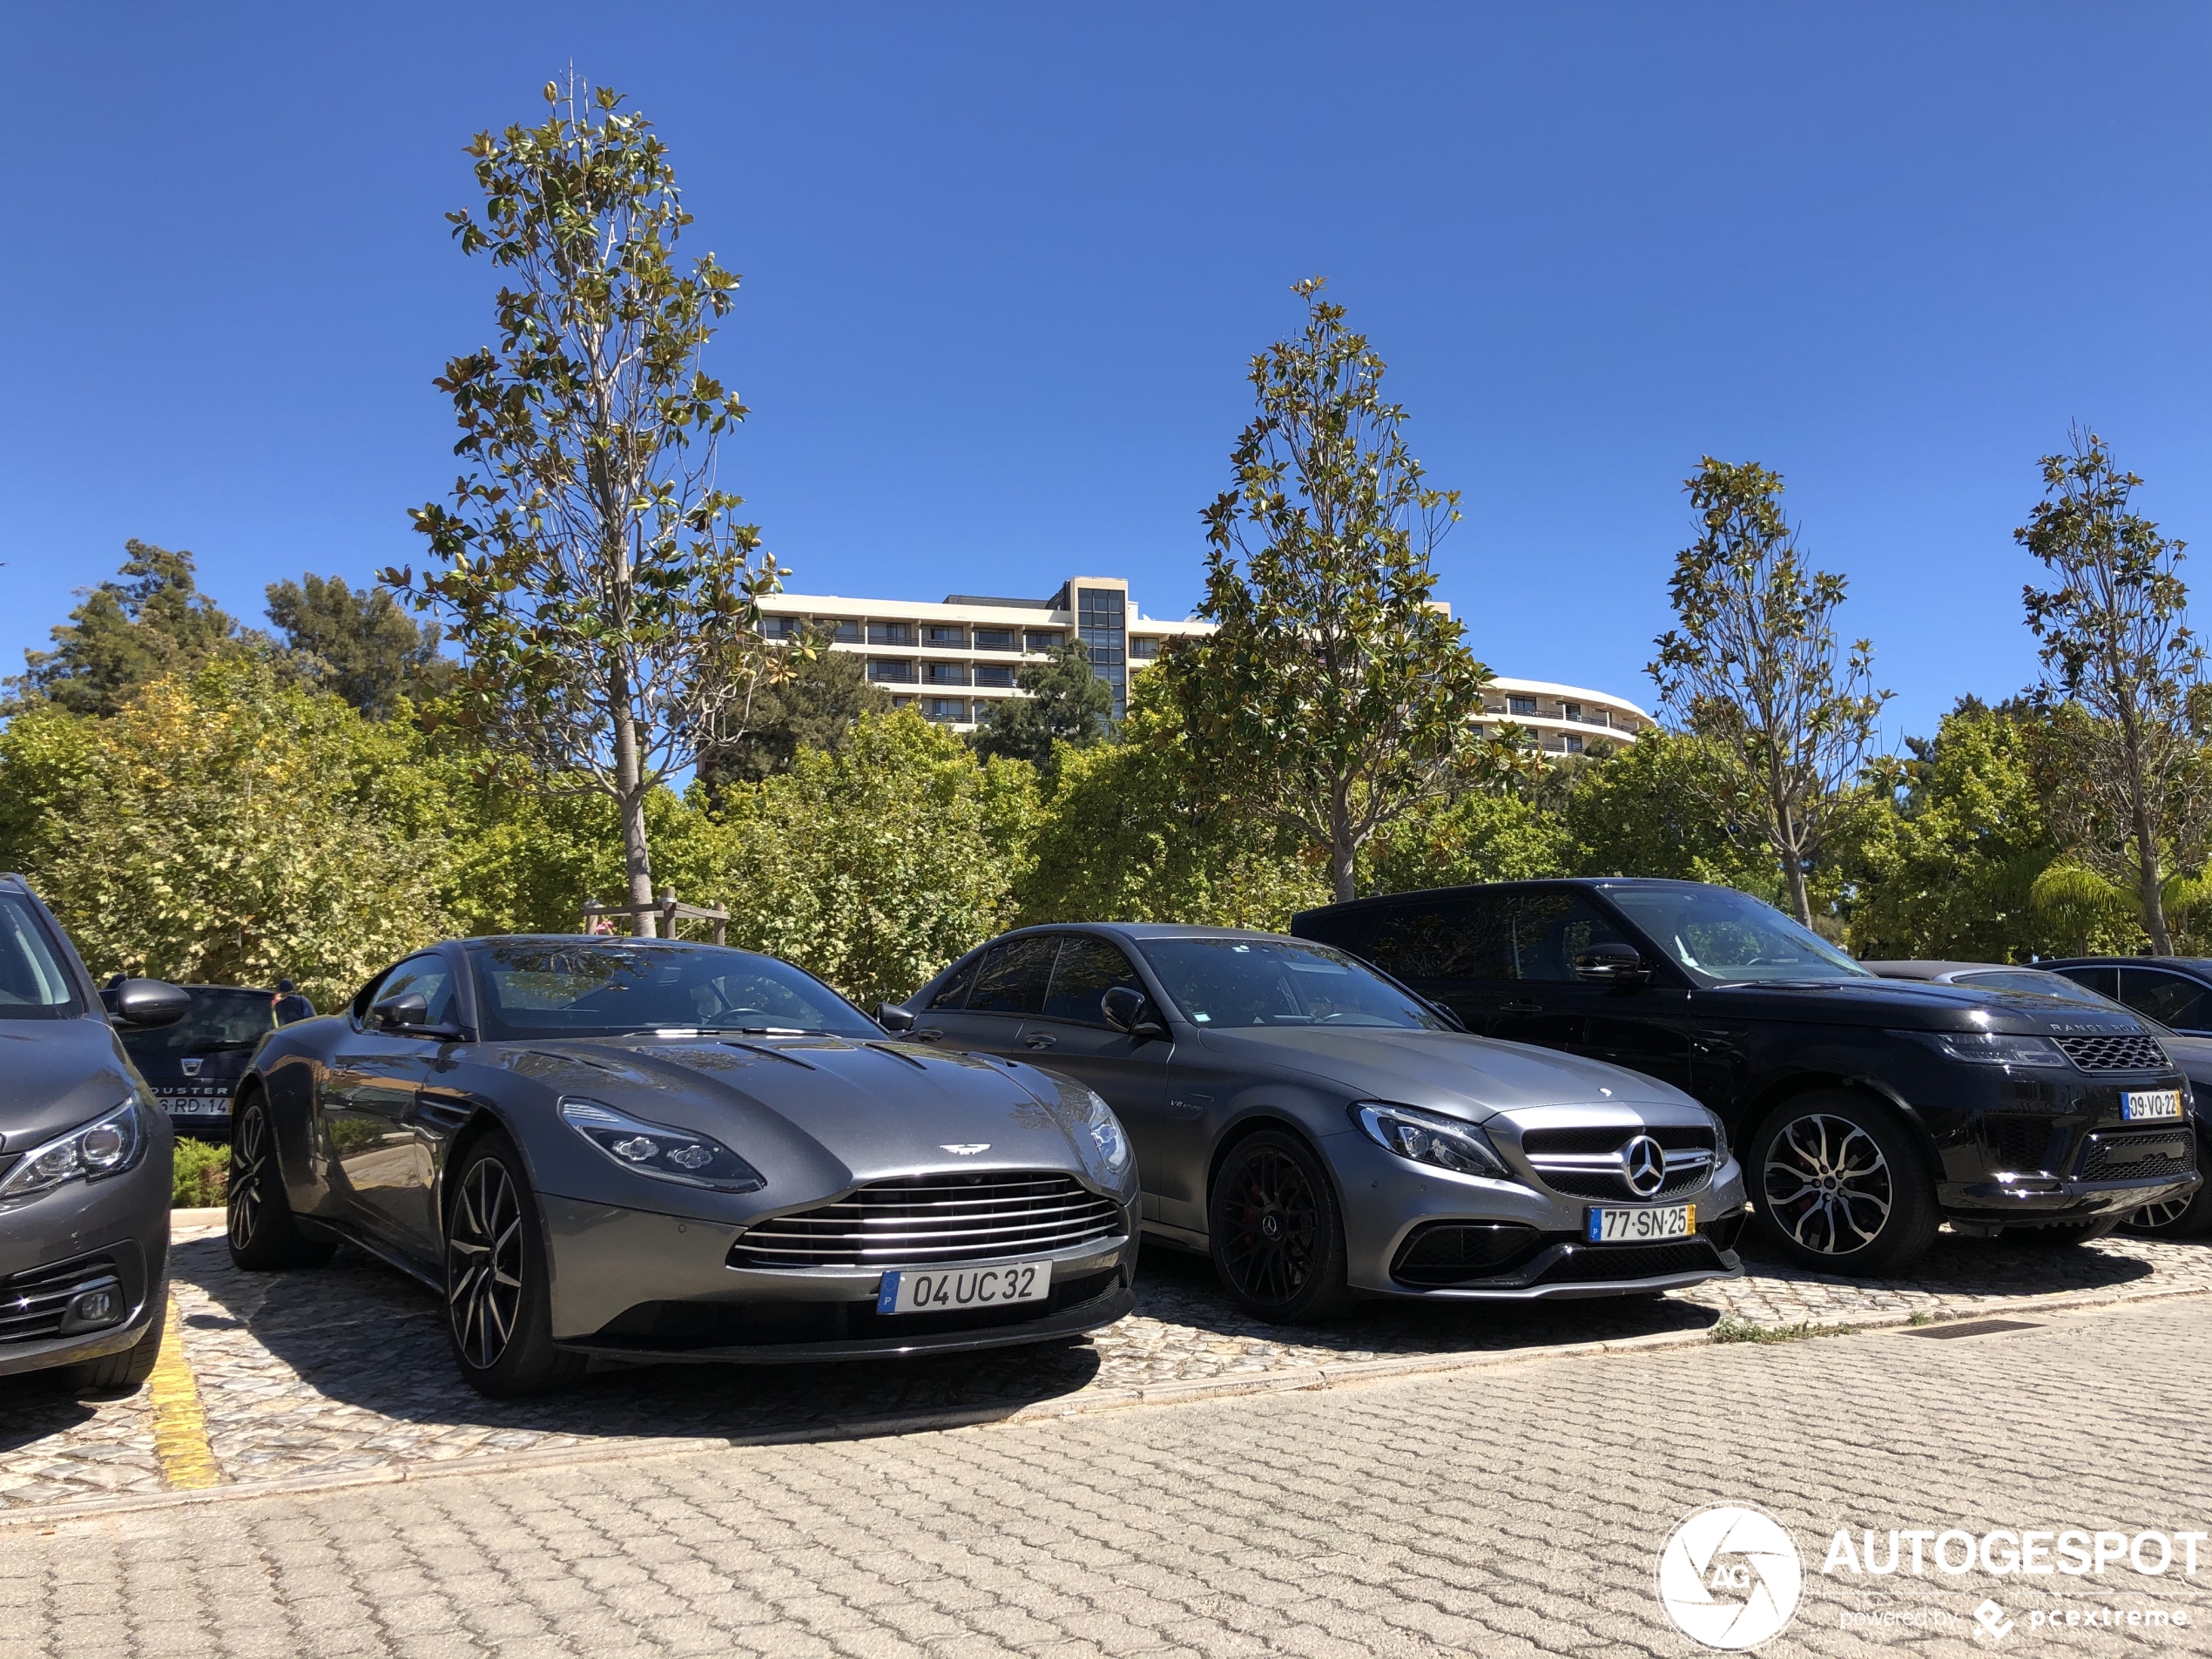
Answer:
(110, 1143)
(655, 1148)
(1430, 1138)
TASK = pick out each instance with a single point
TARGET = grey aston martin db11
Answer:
(660, 1150)
(1325, 1134)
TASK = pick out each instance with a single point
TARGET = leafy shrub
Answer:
(203, 1175)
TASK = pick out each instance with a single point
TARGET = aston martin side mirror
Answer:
(409, 1008)
(891, 1017)
(147, 1003)
(1127, 1008)
(1611, 964)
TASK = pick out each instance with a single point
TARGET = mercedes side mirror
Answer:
(148, 1002)
(1613, 964)
(409, 1008)
(891, 1017)
(1127, 1008)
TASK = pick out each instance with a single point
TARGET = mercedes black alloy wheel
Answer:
(263, 1232)
(1276, 1239)
(1839, 1186)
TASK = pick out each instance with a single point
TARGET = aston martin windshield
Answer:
(1266, 982)
(1729, 935)
(613, 987)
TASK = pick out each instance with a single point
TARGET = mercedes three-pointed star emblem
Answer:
(1644, 1165)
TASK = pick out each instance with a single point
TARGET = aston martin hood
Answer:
(1447, 1070)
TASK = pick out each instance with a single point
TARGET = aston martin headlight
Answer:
(1430, 1138)
(108, 1145)
(655, 1148)
(1994, 1049)
(1105, 1131)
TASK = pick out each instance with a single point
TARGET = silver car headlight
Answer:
(655, 1148)
(1720, 1141)
(1107, 1134)
(110, 1143)
(1430, 1137)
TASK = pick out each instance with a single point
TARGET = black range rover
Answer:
(1870, 1110)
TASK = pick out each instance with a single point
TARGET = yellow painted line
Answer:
(179, 1424)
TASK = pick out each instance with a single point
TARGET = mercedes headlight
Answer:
(1430, 1138)
(655, 1148)
(108, 1145)
(1720, 1141)
(1106, 1134)
(1992, 1049)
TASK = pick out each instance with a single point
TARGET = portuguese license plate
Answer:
(198, 1108)
(1642, 1226)
(2149, 1105)
(950, 1290)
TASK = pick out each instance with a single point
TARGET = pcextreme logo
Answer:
(1730, 1576)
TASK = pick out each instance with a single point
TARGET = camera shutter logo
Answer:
(1643, 1166)
(1730, 1577)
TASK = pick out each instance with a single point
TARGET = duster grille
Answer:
(919, 1220)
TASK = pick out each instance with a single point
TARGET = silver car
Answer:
(1327, 1135)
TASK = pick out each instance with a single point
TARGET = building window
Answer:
(1521, 705)
(945, 673)
(950, 709)
(891, 633)
(993, 674)
(886, 673)
(838, 631)
(1570, 711)
(1144, 648)
(903, 702)
(1033, 640)
(1573, 744)
(945, 639)
(996, 639)
(1100, 613)
(779, 627)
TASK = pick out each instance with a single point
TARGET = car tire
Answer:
(499, 1310)
(2065, 1233)
(2189, 1218)
(127, 1369)
(264, 1233)
(1841, 1186)
(1276, 1233)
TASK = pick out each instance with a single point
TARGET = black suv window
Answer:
(1088, 968)
(2171, 999)
(1015, 975)
(1487, 936)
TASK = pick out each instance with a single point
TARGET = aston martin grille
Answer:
(915, 1220)
(2127, 1051)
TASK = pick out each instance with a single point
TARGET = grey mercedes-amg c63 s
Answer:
(658, 1151)
(1327, 1135)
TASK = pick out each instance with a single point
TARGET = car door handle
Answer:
(1039, 1040)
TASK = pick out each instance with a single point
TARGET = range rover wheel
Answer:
(499, 1315)
(1276, 1239)
(263, 1232)
(1840, 1186)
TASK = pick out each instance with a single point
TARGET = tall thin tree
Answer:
(1755, 666)
(2123, 680)
(605, 596)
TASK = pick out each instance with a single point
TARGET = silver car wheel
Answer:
(1828, 1184)
(2152, 1216)
(484, 1263)
(249, 1151)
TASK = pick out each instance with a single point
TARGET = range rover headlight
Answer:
(110, 1143)
(655, 1148)
(1993, 1049)
(1430, 1137)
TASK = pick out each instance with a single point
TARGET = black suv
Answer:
(194, 1065)
(1869, 1109)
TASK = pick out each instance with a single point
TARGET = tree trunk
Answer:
(1793, 862)
(637, 858)
(2148, 885)
(1343, 851)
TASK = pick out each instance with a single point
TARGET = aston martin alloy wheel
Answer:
(1839, 1186)
(498, 1313)
(1277, 1241)
(263, 1232)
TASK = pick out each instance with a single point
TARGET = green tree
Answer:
(151, 621)
(813, 704)
(874, 865)
(1067, 704)
(1755, 665)
(1133, 830)
(2124, 677)
(1479, 835)
(1660, 806)
(605, 596)
(1334, 696)
(357, 643)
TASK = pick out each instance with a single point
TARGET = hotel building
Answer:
(955, 659)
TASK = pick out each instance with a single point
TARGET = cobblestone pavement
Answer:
(346, 1369)
(1516, 1511)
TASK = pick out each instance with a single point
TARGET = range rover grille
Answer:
(917, 1220)
(2123, 1051)
(2138, 1155)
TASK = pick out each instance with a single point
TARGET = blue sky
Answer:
(1004, 267)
